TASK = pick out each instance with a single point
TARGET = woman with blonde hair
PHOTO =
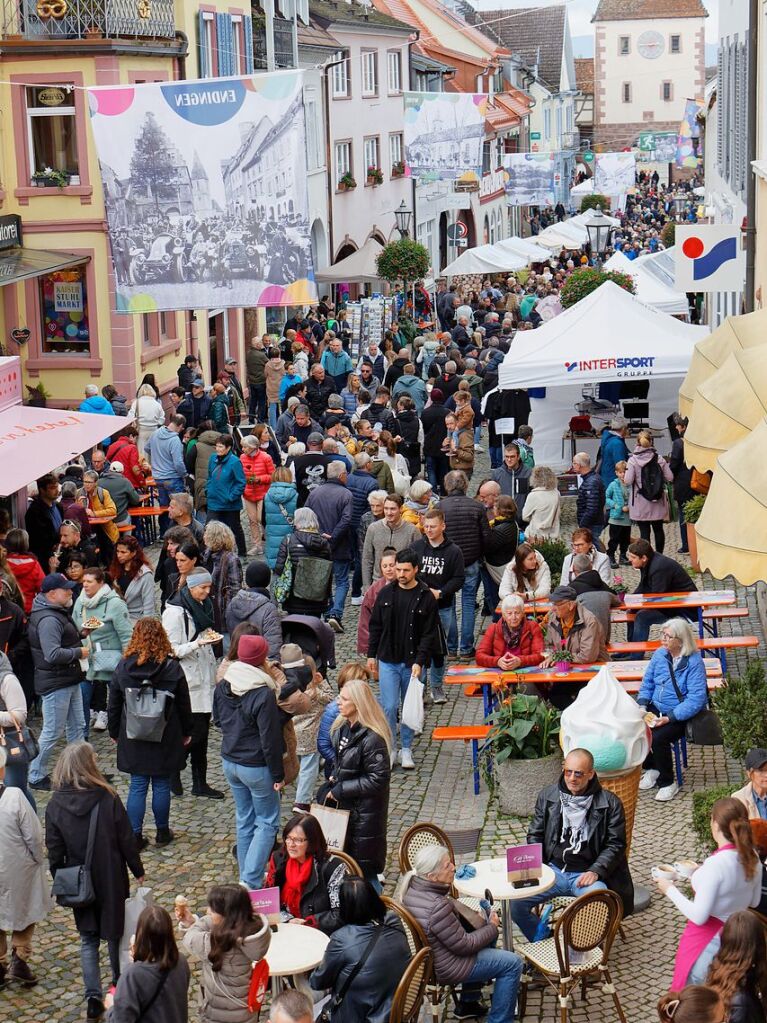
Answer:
(220, 559)
(648, 507)
(280, 504)
(81, 796)
(361, 774)
(148, 414)
(350, 392)
(542, 504)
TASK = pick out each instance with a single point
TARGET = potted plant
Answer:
(693, 510)
(398, 169)
(346, 183)
(375, 176)
(702, 804)
(49, 178)
(741, 705)
(524, 744)
(37, 396)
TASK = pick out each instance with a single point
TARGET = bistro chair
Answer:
(411, 990)
(351, 864)
(419, 836)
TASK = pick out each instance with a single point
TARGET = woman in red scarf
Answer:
(513, 642)
(308, 875)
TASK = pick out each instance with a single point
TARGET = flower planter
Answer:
(518, 782)
(343, 187)
(692, 546)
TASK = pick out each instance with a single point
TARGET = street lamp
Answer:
(599, 230)
(402, 215)
(680, 201)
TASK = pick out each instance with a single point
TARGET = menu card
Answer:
(524, 862)
(267, 901)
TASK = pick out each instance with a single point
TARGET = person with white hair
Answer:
(98, 404)
(148, 413)
(590, 502)
(673, 690)
(305, 541)
(461, 956)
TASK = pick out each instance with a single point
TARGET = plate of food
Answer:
(211, 636)
(92, 623)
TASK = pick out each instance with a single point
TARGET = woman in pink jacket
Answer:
(648, 507)
(258, 468)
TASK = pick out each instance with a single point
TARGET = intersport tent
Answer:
(360, 267)
(609, 336)
(649, 288)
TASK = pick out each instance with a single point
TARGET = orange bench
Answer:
(469, 734)
(710, 614)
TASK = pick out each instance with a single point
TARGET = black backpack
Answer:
(652, 483)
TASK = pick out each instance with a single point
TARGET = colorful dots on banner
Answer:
(110, 102)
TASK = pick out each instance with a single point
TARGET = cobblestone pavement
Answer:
(439, 790)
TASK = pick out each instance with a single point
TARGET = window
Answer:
(207, 49)
(369, 73)
(547, 124)
(395, 151)
(486, 157)
(51, 127)
(371, 151)
(394, 66)
(314, 153)
(624, 45)
(343, 159)
(238, 50)
(675, 45)
(666, 91)
(340, 78)
(64, 305)
(626, 92)
(559, 123)
(146, 329)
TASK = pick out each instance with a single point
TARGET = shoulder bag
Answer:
(19, 742)
(705, 729)
(73, 886)
(336, 1000)
(146, 712)
(312, 578)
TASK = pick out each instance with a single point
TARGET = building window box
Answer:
(49, 178)
(375, 176)
(347, 183)
(398, 169)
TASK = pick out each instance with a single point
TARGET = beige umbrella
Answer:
(727, 407)
(736, 332)
(732, 531)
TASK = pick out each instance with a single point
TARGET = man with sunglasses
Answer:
(582, 828)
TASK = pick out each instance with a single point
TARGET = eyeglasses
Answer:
(574, 774)
(290, 840)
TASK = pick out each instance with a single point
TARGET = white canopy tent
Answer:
(500, 257)
(563, 235)
(360, 267)
(609, 336)
(650, 288)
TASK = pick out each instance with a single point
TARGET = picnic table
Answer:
(146, 523)
(697, 599)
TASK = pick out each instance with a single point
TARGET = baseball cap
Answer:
(563, 593)
(117, 467)
(56, 581)
(331, 421)
(230, 361)
(197, 382)
(315, 438)
(755, 758)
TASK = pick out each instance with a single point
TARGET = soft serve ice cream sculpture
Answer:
(607, 722)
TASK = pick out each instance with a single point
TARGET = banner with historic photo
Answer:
(529, 179)
(205, 191)
(444, 132)
(615, 173)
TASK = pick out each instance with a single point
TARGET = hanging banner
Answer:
(657, 146)
(205, 191)
(444, 132)
(689, 143)
(529, 179)
(615, 173)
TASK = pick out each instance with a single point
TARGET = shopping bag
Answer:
(134, 906)
(412, 705)
(333, 823)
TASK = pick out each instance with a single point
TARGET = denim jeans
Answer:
(62, 709)
(699, 971)
(356, 570)
(437, 467)
(393, 680)
(468, 612)
(89, 960)
(164, 489)
(437, 671)
(564, 884)
(341, 577)
(136, 804)
(94, 694)
(16, 777)
(257, 812)
(505, 968)
(307, 776)
(257, 403)
(496, 456)
(638, 630)
(274, 413)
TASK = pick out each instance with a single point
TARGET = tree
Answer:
(152, 165)
(667, 234)
(405, 260)
(581, 283)
(590, 202)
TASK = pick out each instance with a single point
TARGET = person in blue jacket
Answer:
(95, 402)
(353, 669)
(280, 507)
(612, 449)
(224, 489)
(674, 689)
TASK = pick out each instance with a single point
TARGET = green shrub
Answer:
(693, 509)
(668, 233)
(741, 704)
(403, 260)
(582, 282)
(590, 202)
(524, 728)
(553, 553)
(702, 803)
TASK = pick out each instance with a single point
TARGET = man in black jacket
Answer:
(57, 651)
(443, 572)
(658, 574)
(318, 389)
(590, 508)
(43, 520)
(582, 828)
(405, 636)
(466, 525)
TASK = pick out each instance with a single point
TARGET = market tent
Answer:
(563, 235)
(582, 219)
(649, 288)
(360, 267)
(573, 353)
(732, 530)
(486, 259)
(727, 407)
(735, 333)
(526, 247)
(35, 440)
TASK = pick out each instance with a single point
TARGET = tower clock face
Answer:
(650, 45)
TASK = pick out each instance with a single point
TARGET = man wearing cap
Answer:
(311, 468)
(255, 363)
(254, 604)
(753, 795)
(572, 634)
(230, 368)
(195, 408)
(121, 491)
(57, 652)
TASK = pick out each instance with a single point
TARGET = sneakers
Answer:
(335, 623)
(301, 807)
(95, 1009)
(438, 696)
(648, 780)
(406, 760)
(100, 724)
(357, 601)
(667, 793)
(44, 785)
(478, 447)
(21, 972)
(393, 759)
(94, 717)
(164, 836)
(468, 1010)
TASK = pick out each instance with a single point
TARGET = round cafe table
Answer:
(294, 949)
(491, 874)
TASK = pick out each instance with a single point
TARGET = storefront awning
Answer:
(19, 264)
(34, 441)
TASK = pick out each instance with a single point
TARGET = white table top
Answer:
(491, 874)
(295, 948)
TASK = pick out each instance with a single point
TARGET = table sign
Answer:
(267, 902)
(524, 862)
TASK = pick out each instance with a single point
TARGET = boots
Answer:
(200, 785)
(175, 784)
(3, 976)
(141, 842)
(21, 972)
(164, 836)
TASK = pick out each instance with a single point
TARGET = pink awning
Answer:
(34, 441)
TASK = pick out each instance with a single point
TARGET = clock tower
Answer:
(649, 57)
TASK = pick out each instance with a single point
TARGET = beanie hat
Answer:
(252, 650)
(257, 573)
(292, 656)
(198, 577)
(437, 396)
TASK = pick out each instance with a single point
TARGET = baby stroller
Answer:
(315, 638)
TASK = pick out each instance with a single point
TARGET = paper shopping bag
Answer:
(134, 906)
(333, 823)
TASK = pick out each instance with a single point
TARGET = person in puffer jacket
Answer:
(460, 956)
(254, 604)
(279, 508)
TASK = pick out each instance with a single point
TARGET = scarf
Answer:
(296, 876)
(201, 614)
(243, 678)
(574, 812)
(99, 595)
(512, 637)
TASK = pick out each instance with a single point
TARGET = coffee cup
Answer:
(686, 868)
(664, 872)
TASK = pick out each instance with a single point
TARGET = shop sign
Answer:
(51, 97)
(68, 297)
(10, 231)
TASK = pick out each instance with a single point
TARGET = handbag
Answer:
(106, 660)
(73, 886)
(705, 729)
(337, 1000)
(19, 742)
(312, 579)
(283, 582)
(334, 823)
(146, 712)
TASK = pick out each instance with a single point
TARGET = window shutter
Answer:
(743, 107)
(205, 70)
(720, 113)
(247, 33)
(224, 45)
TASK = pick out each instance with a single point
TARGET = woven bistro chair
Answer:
(351, 864)
(579, 949)
(418, 837)
(411, 990)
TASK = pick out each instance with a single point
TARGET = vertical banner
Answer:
(689, 143)
(529, 179)
(205, 190)
(615, 173)
(444, 132)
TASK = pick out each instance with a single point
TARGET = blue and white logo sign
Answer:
(709, 257)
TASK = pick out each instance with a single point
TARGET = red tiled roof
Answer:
(639, 10)
(584, 74)
(400, 10)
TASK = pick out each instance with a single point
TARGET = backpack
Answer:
(652, 484)
(146, 712)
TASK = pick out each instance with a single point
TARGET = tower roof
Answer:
(640, 10)
(198, 171)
